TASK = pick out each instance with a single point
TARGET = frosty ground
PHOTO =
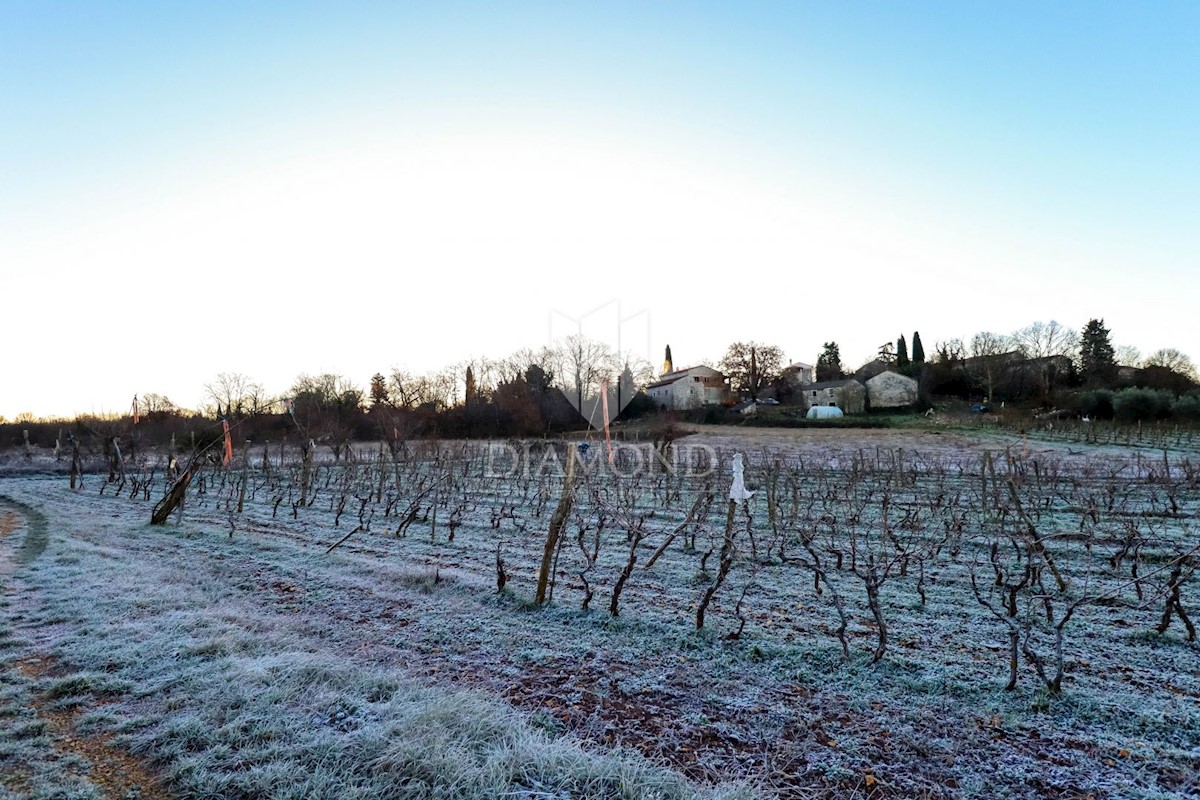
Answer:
(234, 655)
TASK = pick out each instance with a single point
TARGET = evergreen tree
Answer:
(901, 352)
(626, 389)
(918, 351)
(829, 363)
(753, 373)
(1097, 359)
(470, 386)
(379, 390)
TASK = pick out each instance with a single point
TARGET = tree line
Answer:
(530, 392)
(1044, 363)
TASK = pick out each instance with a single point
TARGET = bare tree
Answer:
(751, 367)
(233, 393)
(326, 407)
(1046, 339)
(514, 366)
(1172, 359)
(1043, 343)
(1126, 355)
(581, 364)
(154, 403)
(404, 388)
(950, 351)
(986, 359)
(437, 390)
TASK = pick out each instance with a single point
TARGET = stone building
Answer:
(847, 394)
(689, 388)
(891, 390)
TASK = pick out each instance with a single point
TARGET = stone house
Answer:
(847, 394)
(689, 388)
(799, 373)
(891, 390)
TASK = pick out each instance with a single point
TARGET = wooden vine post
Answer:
(382, 475)
(305, 470)
(76, 466)
(728, 550)
(245, 477)
(557, 522)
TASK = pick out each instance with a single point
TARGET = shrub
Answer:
(1136, 405)
(1186, 407)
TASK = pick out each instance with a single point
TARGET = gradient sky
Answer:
(188, 189)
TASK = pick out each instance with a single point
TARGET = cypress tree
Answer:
(901, 352)
(470, 387)
(918, 352)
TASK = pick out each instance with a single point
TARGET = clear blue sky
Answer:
(285, 188)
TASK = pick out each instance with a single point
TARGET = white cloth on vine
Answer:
(738, 491)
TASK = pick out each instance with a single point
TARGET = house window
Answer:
(696, 379)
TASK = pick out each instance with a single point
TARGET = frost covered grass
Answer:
(232, 649)
(230, 699)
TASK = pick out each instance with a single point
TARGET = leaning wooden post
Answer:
(173, 499)
(245, 476)
(28, 446)
(556, 525)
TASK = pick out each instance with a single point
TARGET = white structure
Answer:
(738, 492)
(824, 412)
(688, 388)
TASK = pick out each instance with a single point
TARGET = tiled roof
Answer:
(671, 377)
(829, 384)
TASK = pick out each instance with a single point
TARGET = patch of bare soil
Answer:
(709, 741)
(116, 773)
(113, 771)
(9, 522)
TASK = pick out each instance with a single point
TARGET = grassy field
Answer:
(234, 654)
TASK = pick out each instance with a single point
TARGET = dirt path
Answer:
(114, 773)
(13, 516)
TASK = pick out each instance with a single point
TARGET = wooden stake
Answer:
(556, 525)
(245, 476)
